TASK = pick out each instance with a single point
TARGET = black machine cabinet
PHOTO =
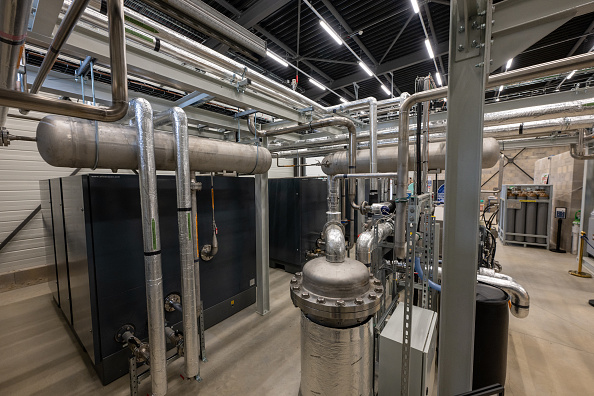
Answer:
(97, 241)
(297, 216)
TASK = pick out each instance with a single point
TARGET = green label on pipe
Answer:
(153, 227)
(189, 226)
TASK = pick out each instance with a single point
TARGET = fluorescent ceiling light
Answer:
(500, 88)
(429, 49)
(496, 99)
(386, 90)
(366, 68)
(438, 78)
(571, 75)
(415, 6)
(343, 100)
(331, 32)
(509, 63)
(317, 84)
(277, 58)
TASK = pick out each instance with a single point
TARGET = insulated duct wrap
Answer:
(336, 361)
(70, 142)
(388, 158)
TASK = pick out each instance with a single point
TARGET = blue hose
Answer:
(419, 271)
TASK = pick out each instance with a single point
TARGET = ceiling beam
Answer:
(285, 47)
(581, 40)
(327, 61)
(393, 65)
(397, 37)
(228, 7)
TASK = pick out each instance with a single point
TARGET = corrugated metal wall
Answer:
(21, 168)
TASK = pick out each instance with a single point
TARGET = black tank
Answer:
(490, 339)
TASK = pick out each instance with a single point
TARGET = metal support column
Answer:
(470, 33)
(262, 252)
(587, 202)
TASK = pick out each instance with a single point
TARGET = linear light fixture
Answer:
(366, 68)
(331, 32)
(317, 84)
(277, 58)
(438, 78)
(571, 74)
(343, 100)
(509, 63)
(386, 90)
(500, 88)
(415, 6)
(429, 49)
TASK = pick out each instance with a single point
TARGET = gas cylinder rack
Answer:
(525, 214)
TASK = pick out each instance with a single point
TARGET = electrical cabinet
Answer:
(423, 343)
(96, 237)
(297, 217)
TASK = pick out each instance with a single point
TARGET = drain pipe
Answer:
(177, 117)
(142, 117)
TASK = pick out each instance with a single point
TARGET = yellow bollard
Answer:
(580, 260)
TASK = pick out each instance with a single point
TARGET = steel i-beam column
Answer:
(470, 24)
(262, 234)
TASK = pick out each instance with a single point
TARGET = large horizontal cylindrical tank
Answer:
(70, 142)
(387, 158)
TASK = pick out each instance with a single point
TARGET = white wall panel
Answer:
(276, 172)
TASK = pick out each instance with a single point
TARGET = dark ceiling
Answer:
(386, 34)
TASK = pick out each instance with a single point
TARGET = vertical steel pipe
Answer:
(372, 148)
(196, 252)
(119, 82)
(142, 117)
(74, 12)
(14, 15)
(179, 121)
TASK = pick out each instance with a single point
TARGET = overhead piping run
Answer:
(578, 150)
(69, 21)
(179, 121)
(527, 73)
(119, 83)
(202, 17)
(191, 52)
(142, 117)
(13, 30)
(325, 122)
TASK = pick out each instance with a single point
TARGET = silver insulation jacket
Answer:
(70, 142)
(179, 122)
(520, 300)
(337, 162)
(142, 114)
(367, 242)
(336, 361)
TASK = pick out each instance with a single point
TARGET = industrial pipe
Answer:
(179, 121)
(13, 31)
(142, 117)
(65, 142)
(367, 242)
(578, 150)
(119, 82)
(69, 21)
(336, 163)
(527, 73)
(520, 300)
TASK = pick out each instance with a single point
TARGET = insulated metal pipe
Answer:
(142, 117)
(336, 163)
(373, 148)
(65, 142)
(69, 21)
(520, 300)
(367, 242)
(510, 77)
(179, 121)
(119, 82)
(14, 15)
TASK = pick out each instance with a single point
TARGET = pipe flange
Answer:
(127, 328)
(333, 222)
(328, 294)
(170, 300)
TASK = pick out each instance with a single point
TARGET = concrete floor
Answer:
(550, 353)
